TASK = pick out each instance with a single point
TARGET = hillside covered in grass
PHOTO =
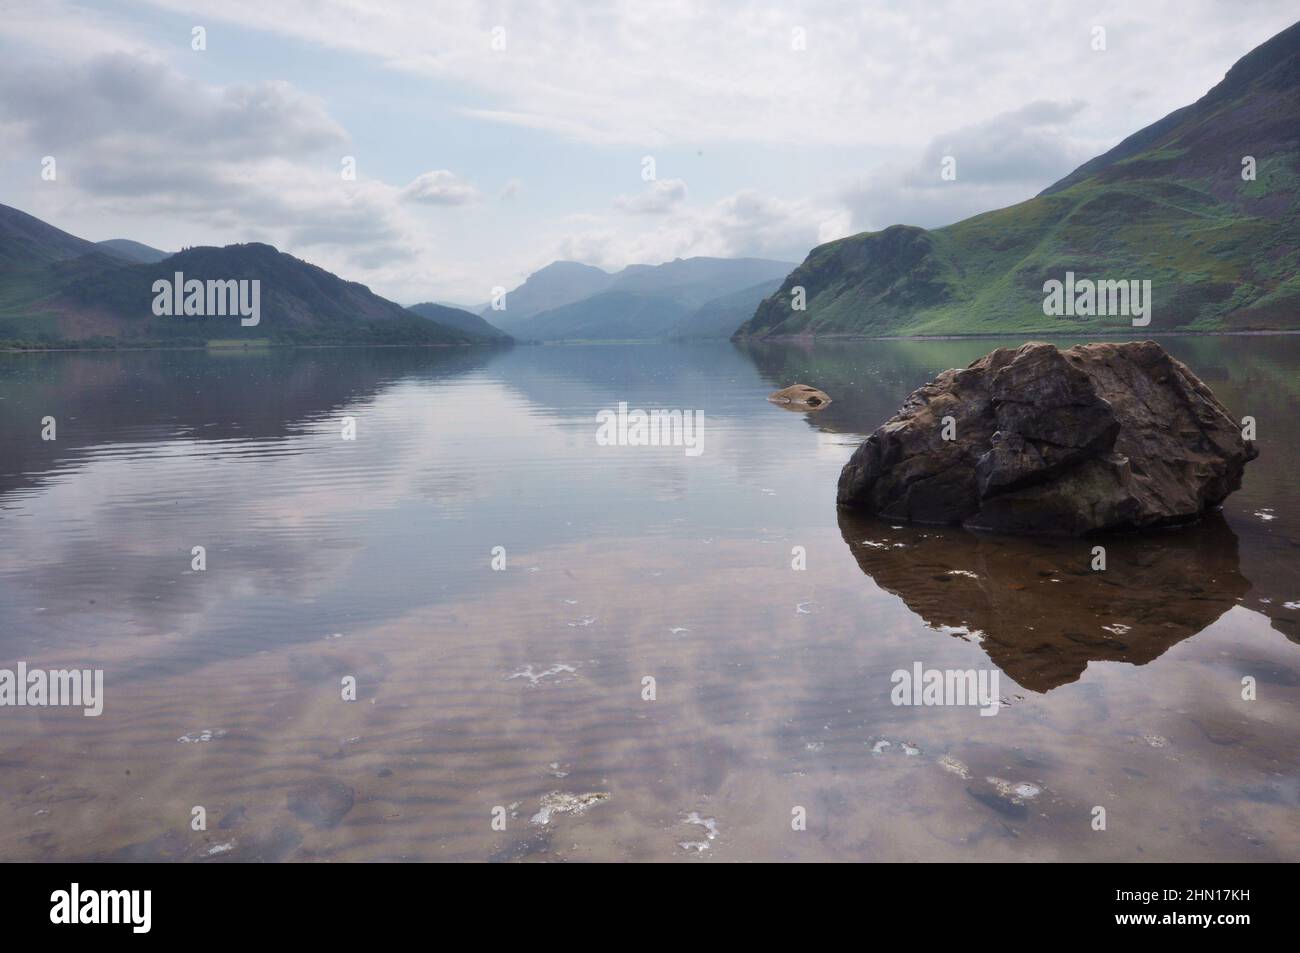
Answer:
(57, 290)
(1169, 204)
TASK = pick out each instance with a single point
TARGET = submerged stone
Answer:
(321, 802)
(561, 802)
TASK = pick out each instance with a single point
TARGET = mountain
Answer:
(646, 302)
(26, 243)
(693, 281)
(1169, 204)
(718, 319)
(459, 319)
(612, 316)
(57, 289)
(133, 251)
(300, 303)
(34, 258)
(558, 284)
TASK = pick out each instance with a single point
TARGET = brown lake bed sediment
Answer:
(522, 689)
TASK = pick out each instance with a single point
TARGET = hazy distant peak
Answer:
(133, 251)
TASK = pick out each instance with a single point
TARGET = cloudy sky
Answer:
(490, 138)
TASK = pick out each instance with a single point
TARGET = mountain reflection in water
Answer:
(522, 688)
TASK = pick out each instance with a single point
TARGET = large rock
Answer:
(1096, 437)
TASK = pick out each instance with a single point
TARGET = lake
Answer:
(565, 650)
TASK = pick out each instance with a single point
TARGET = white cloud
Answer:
(115, 99)
(745, 224)
(69, 32)
(168, 160)
(661, 71)
(660, 197)
(254, 161)
(148, 152)
(996, 162)
(440, 187)
(1025, 146)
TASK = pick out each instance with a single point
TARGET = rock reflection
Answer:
(1038, 608)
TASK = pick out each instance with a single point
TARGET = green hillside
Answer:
(58, 290)
(1168, 204)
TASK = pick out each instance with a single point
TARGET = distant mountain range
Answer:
(459, 320)
(1169, 204)
(719, 318)
(684, 298)
(1204, 205)
(59, 290)
(558, 284)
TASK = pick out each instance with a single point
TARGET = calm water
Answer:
(478, 688)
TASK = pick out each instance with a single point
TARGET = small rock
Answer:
(800, 397)
(949, 763)
(535, 677)
(710, 826)
(558, 802)
(321, 802)
(200, 736)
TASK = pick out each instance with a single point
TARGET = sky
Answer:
(487, 139)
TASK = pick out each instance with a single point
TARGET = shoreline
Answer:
(993, 335)
(803, 339)
(256, 347)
